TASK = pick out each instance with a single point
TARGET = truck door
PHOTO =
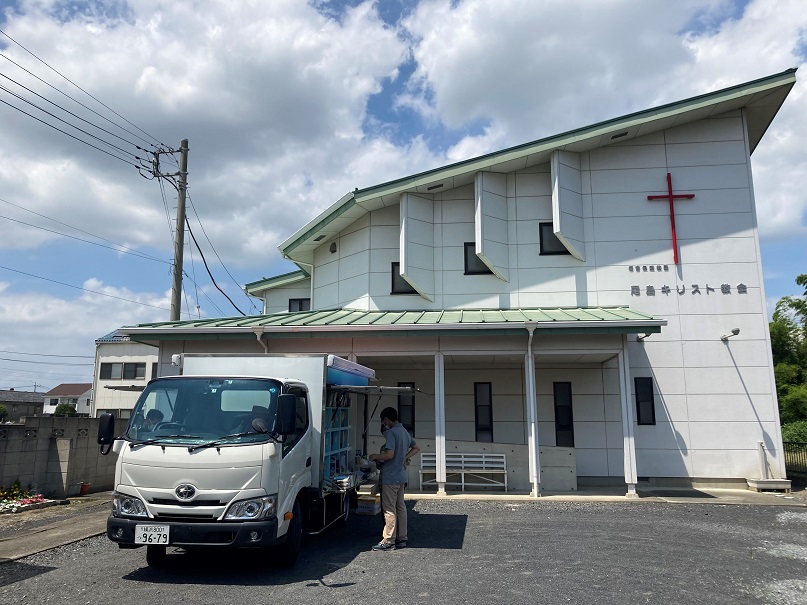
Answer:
(295, 468)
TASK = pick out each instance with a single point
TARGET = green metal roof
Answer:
(577, 319)
(275, 282)
(761, 100)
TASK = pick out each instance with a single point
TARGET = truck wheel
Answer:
(155, 555)
(286, 553)
(345, 510)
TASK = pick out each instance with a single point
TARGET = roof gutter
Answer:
(629, 323)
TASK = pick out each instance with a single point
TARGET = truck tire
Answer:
(155, 555)
(342, 522)
(286, 554)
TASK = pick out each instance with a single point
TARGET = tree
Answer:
(3, 412)
(789, 348)
(65, 409)
(795, 431)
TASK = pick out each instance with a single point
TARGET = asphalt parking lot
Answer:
(645, 551)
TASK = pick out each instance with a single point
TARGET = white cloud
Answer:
(275, 106)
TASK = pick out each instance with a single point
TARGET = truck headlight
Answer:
(254, 508)
(127, 506)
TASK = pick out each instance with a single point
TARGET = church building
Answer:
(589, 305)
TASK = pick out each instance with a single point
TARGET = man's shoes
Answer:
(384, 546)
(400, 543)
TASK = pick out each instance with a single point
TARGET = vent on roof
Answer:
(433, 187)
(319, 237)
(619, 135)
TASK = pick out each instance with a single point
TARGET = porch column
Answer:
(628, 441)
(440, 422)
(532, 418)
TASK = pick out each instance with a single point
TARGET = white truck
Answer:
(239, 451)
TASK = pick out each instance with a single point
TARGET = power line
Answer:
(81, 89)
(50, 363)
(48, 355)
(187, 222)
(118, 247)
(84, 289)
(71, 113)
(89, 134)
(193, 207)
(70, 135)
(39, 372)
(129, 251)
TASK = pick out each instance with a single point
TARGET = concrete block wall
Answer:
(54, 456)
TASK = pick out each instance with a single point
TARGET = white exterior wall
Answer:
(277, 299)
(120, 352)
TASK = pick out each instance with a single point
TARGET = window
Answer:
(73, 401)
(299, 304)
(301, 424)
(125, 371)
(474, 264)
(111, 371)
(550, 244)
(645, 408)
(399, 284)
(564, 419)
(483, 404)
(154, 370)
(406, 408)
(133, 371)
(54, 401)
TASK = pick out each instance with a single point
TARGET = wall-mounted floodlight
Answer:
(734, 332)
(642, 337)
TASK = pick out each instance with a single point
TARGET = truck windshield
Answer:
(196, 410)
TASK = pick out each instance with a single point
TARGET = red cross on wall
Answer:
(671, 198)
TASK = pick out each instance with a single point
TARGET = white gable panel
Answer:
(417, 243)
(490, 223)
(567, 202)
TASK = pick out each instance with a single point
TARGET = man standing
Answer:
(400, 449)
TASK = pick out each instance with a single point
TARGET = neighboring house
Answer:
(79, 395)
(590, 304)
(122, 370)
(20, 404)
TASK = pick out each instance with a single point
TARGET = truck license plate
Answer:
(151, 534)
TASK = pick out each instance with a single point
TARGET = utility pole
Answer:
(179, 240)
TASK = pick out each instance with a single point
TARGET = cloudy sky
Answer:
(290, 104)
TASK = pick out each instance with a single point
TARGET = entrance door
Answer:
(564, 421)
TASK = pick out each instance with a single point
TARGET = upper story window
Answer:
(550, 244)
(474, 264)
(399, 284)
(126, 371)
(299, 304)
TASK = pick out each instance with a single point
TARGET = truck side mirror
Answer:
(286, 414)
(106, 432)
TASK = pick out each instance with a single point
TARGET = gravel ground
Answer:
(467, 551)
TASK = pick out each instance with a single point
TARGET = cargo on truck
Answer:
(241, 451)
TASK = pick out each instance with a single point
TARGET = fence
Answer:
(796, 458)
(54, 455)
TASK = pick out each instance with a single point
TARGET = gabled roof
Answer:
(20, 397)
(69, 389)
(267, 283)
(577, 320)
(760, 98)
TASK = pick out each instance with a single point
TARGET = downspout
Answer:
(259, 336)
(532, 415)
